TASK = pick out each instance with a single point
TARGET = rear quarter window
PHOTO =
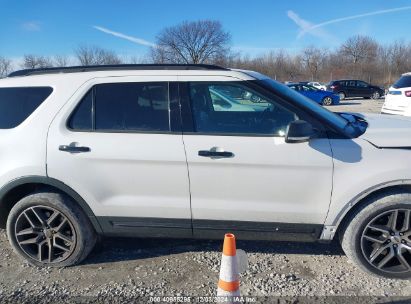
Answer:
(17, 104)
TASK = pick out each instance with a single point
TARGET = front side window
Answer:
(234, 108)
(17, 104)
(362, 84)
(124, 107)
(308, 88)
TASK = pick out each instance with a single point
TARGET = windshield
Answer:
(306, 103)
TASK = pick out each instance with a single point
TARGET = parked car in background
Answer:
(325, 98)
(318, 85)
(398, 99)
(223, 102)
(355, 88)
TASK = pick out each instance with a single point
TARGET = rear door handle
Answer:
(73, 149)
(219, 154)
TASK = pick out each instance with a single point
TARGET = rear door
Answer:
(118, 143)
(351, 88)
(243, 175)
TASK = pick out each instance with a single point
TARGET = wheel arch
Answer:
(359, 201)
(13, 191)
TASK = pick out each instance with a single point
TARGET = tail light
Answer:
(333, 87)
(408, 93)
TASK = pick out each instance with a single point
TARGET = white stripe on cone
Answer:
(228, 273)
(229, 268)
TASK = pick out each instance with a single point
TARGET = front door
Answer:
(244, 177)
(363, 89)
(118, 145)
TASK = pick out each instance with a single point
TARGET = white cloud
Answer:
(124, 36)
(307, 27)
(31, 26)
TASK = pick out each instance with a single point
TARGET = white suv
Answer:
(157, 151)
(398, 99)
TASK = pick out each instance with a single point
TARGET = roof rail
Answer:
(117, 67)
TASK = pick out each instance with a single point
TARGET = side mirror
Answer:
(299, 131)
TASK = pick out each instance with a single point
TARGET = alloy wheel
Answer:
(386, 241)
(341, 95)
(45, 234)
(327, 101)
(375, 95)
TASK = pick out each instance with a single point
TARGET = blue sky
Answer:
(57, 27)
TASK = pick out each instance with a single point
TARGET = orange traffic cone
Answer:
(229, 283)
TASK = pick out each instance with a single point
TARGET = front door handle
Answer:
(73, 149)
(215, 152)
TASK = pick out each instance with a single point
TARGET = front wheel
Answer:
(49, 229)
(375, 95)
(378, 237)
(327, 101)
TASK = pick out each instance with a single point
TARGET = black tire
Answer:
(47, 220)
(376, 95)
(356, 232)
(327, 101)
(342, 95)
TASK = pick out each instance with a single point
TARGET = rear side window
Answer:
(82, 119)
(403, 82)
(16, 104)
(124, 107)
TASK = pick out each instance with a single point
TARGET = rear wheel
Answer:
(49, 229)
(327, 101)
(378, 237)
(342, 95)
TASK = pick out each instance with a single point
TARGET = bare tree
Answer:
(135, 60)
(61, 61)
(6, 67)
(160, 55)
(360, 48)
(359, 57)
(94, 55)
(195, 42)
(35, 62)
(360, 53)
(313, 59)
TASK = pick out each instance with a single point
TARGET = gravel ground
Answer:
(133, 270)
(358, 105)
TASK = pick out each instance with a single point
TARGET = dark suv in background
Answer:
(355, 88)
